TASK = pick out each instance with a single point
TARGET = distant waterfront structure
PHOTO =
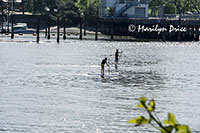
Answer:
(12, 0)
(124, 8)
(131, 18)
(7, 7)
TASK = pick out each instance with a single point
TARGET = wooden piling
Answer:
(2, 20)
(38, 29)
(85, 24)
(8, 30)
(164, 32)
(167, 33)
(64, 30)
(96, 32)
(48, 24)
(81, 24)
(173, 36)
(183, 36)
(193, 34)
(109, 28)
(58, 29)
(12, 28)
(188, 33)
(23, 7)
(190, 38)
(197, 37)
(46, 20)
(179, 33)
(197, 33)
(97, 24)
(112, 28)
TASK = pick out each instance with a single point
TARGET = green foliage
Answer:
(168, 129)
(67, 9)
(168, 126)
(171, 120)
(84, 5)
(154, 3)
(88, 9)
(111, 11)
(152, 105)
(35, 6)
(182, 129)
(55, 8)
(175, 6)
(170, 8)
(139, 121)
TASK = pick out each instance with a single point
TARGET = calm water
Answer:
(50, 87)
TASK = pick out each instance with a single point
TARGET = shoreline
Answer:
(73, 33)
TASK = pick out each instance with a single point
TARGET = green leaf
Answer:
(143, 100)
(168, 128)
(152, 105)
(140, 105)
(139, 121)
(171, 120)
(163, 131)
(182, 129)
(132, 121)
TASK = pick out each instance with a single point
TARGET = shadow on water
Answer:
(132, 72)
(129, 78)
(135, 72)
(130, 62)
(138, 79)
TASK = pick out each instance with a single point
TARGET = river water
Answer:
(50, 87)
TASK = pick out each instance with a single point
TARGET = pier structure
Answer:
(147, 28)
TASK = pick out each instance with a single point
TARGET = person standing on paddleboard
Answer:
(117, 55)
(104, 61)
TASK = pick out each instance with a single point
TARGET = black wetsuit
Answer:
(102, 67)
(103, 61)
(116, 56)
